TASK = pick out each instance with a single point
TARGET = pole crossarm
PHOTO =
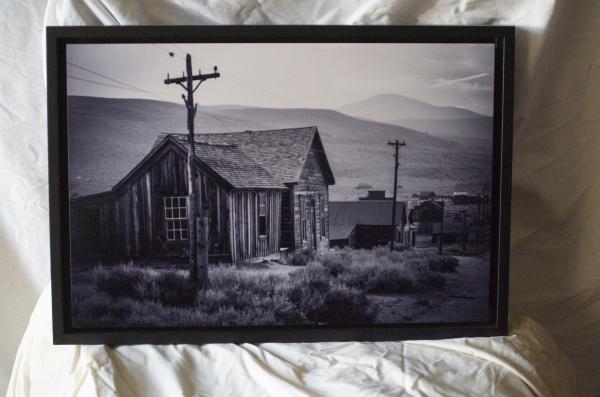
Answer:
(396, 143)
(201, 77)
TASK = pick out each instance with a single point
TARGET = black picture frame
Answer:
(58, 37)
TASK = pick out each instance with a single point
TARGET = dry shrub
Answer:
(335, 264)
(443, 264)
(300, 257)
(173, 288)
(262, 299)
(392, 280)
(169, 287)
(324, 302)
(120, 280)
(331, 289)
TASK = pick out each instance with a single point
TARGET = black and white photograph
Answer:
(279, 184)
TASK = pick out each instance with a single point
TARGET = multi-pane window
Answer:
(176, 218)
(262, 214)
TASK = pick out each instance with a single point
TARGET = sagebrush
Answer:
(334, 288)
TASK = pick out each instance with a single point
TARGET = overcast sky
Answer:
(289, 75)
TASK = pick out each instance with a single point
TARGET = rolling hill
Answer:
(456, 124)
(386, 107)
(108, 137)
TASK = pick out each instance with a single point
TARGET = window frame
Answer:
(262, 215)
(176, 226)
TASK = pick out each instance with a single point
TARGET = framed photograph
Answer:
(271, 183)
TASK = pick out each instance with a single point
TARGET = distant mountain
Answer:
(108, 137)
(446, 122)
(388, 107)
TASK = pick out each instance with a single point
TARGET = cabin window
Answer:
(322, 204)
(262, 214)
(176, 218)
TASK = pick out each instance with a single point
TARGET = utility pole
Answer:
(396, 144)
(198, 260)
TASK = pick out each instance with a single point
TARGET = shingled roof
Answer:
(230, 163)
(281, 152)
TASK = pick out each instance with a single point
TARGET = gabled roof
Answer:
(365, 212)
(281, 152)
(227, 161)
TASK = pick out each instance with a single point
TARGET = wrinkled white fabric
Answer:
(525, 363)
(555, 276)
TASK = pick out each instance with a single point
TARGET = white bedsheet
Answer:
(525, 363)
(555, 271)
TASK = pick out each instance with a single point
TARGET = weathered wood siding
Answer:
(287, 219)
(141, 208)
(131, 224)
(313, 190)
(218, 206)
(246, 243)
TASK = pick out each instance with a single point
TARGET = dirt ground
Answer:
(464, 299)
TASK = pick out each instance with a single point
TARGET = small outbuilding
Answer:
(366, 223)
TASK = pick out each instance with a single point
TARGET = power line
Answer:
(103, 84)
(241, 82)
(125, 85)
(117, 86)
(135, 89)
(104, 76)
(172, 54)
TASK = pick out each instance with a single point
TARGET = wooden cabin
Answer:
(264, 190)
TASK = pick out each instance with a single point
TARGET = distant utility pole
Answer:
(198, 263)
(396, 144)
